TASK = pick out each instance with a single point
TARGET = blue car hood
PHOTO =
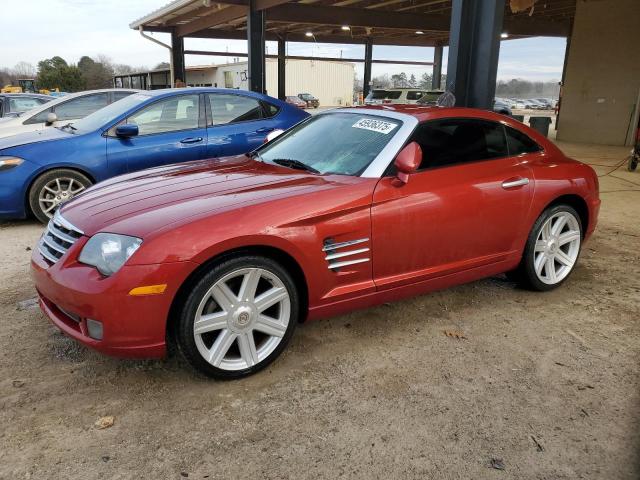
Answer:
(47, 134)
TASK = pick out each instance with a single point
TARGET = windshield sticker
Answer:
(379, 126)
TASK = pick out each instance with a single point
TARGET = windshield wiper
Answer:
(254, 155)
(297, 164)
(68, 125)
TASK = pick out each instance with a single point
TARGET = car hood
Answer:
(165, 197)
(44, 135)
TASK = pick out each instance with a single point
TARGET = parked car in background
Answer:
(296, 101)
(40, 170)
(14, 104)
(396, 96)
(546, 103)
(226, 258)
(309, 100)
(501, 107)
(62, 110)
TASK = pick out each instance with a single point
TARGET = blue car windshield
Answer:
(102, 117)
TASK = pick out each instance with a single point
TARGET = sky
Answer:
(73, 28)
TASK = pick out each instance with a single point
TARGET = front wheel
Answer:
(53, 188)
(633, 162)
(238, 318)
(552, 249)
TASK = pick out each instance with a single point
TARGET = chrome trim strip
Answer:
(46, 254)
(334, 246)
(55, 247)
(379, 164)
(62, 236)
(333, 266)
(333, 256)
(60, 220)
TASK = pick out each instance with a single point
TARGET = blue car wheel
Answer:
(53, 188)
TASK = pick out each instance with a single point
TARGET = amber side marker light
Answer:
(149, 290)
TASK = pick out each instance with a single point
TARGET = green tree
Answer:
(56, 73)
(96, 74)
(413, 83)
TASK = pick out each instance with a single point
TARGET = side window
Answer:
(519, 143)
(233, 109)
(459, 140)
(168, 115)
(269, 110)
(18, 105)
(81, 107)
(414, 95)
(120, 95)
(39, 118)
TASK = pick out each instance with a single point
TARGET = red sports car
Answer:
(348, 209)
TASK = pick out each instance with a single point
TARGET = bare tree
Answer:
(24, 70)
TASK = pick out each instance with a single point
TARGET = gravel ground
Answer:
(543, 386)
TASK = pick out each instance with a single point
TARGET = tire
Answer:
(53, 188)
(633, 163)
(240, 335)
(547, 262)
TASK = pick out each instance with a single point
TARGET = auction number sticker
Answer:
(379, 126)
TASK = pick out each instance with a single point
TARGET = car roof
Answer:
(169, 91)
(426, 112)
(58, 100)
(26, 94)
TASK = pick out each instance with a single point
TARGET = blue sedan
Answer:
(41, 170)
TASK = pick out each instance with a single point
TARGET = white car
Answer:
(381, 96)
(62, 110)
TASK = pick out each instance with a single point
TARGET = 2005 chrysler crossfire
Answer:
(348, 209)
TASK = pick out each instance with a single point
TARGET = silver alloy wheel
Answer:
(56, 192)
(557, 248)
(242, 318)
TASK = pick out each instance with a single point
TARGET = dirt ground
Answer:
(544, 385)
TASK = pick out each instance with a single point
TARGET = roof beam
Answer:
(211, 19)
(409, 41)
(356, 17)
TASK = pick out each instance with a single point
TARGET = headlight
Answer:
(108, 252)
(9, 162)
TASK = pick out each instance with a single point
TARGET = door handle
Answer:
(515, 182)
(191, 140)
(265, 130)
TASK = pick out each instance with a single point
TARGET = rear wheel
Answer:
(552, 249)
(633, 162)
(53, 188)
(238, 318)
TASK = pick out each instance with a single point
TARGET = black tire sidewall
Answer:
(184, 325)
(45, 178)
(527, 268)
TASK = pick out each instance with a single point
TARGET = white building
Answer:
(331, 82)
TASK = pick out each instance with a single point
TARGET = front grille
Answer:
(57, 238)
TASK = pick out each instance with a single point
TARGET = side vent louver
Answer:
(339, 254)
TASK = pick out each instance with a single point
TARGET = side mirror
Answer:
(127, 130)
(273, 134)
(51, 118)
(408, 161)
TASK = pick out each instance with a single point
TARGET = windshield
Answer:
(340, 143)
(99, 118)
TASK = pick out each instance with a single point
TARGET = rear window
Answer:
(414, 95)
(519, 143)
(377, 94)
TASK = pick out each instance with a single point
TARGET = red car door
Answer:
(465, 208)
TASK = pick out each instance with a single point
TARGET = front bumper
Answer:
(133, 326)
